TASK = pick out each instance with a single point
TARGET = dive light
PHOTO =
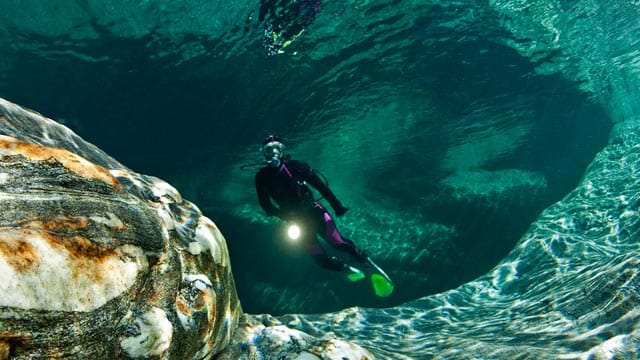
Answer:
(293, 231)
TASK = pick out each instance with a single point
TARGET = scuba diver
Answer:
(285, 20)
(285, 182)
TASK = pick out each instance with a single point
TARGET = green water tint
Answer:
(381, 286)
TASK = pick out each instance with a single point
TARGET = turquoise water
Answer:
(452, 130)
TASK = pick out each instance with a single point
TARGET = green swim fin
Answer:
(381, 285)
(354, 274)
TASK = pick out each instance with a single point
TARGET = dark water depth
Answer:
(444, 142)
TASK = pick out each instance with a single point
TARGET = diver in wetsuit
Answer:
(285, 182)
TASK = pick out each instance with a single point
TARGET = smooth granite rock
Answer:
(97, 261)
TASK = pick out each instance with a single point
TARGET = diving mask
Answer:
(273, 152)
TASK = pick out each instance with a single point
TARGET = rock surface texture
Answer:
(99, 262)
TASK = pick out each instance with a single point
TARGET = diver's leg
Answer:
(331, 235)
(321, 258)
(332, 263)
(313, 247)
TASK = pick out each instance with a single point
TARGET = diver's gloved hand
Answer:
(341, 210)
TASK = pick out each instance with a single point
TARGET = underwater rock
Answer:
(494, 188)
(97, 261)
(264, 337)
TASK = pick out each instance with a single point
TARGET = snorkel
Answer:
(273, 151)
(274, 161)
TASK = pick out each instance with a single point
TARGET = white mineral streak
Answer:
(164, 191)
(194, 248)
(210, 238)
(111, 221)
(4, 177)
(155, 335)
(53, 279)
(200, 281)
(117, 173)
(166, 219)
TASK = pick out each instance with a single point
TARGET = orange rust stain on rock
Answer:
(59, 223)
(9, 340)
(80, 247)
(8, 337)
(69, 160)
(87, 256)
(5, 350)
(77, 246)
(182, 307)
(18, 253)
(18, 249)
(204, 299)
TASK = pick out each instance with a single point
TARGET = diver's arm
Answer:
(314, 180)
(264, 199)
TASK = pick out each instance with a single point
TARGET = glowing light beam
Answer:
(293, 232)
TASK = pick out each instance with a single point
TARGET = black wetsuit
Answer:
(287, 186)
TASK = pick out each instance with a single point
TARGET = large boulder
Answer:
(97, 261)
